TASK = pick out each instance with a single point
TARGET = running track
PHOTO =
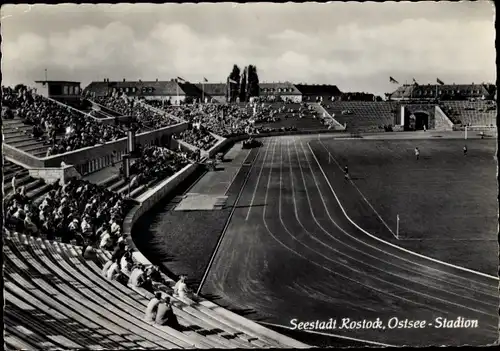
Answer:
(290, 252)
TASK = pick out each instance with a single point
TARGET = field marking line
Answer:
(224, 230)
(330, 156)
(381, 259)
(258, 180)
(240, 167)
(390, 244)
(396, 296)
(328, 334)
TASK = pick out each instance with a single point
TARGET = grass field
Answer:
(447, 202)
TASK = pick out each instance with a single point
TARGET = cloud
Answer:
(353, 54)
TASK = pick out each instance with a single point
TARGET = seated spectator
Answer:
(165, 314)
(152, 308)
(126, 263)
(119, 251)
(106, 267)
(113, 271)
(137, 276)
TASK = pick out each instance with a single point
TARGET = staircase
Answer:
(323, 112)
(18, 135)
(442, 122)
(34, 188)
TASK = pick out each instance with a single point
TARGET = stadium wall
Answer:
(94, 158)
(152, 197)
(51, 175)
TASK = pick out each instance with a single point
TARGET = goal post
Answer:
(488, 131)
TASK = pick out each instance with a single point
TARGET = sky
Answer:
(355, 46)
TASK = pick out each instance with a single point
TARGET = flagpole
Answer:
(46, 74)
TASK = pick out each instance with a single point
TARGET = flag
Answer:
(232, 81)
(182, 80)
(415, 82)
(392, 80)
(205, 79)
(439, 81)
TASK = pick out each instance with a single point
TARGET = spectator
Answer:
(180, 288)
(165, 314)
(113, 271)
(137, 277)
(152, 308)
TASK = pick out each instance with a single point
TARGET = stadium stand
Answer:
(362, 115)
(471, 113)
(57, 299)
(147, 118)
(199, 137)
(55, 128)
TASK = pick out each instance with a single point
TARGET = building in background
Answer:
(318, 93)
(64, 91)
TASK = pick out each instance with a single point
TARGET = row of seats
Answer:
(362, 115)
(32, 123)
(56, 299)
(129, 107)
(473, 113)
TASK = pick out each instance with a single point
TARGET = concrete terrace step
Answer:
(24, 143)
(116, 185)
(78, 262)
(16, 130)
(59, 301)
(9, 174)
(85, 293)
(9, 138)
(109, 180)
(38, 191)
(179, 310)
(22, 180)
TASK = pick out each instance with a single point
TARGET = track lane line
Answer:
(380, 259)
(393, 245)
(258, 181)
(219, 242)
(318, 264)
(445, 301)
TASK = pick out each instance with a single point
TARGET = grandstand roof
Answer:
(323, 89)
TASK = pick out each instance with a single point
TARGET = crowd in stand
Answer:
(155, 163)
(62, 127)
(198, 136)
(144, 116)
(78, 210)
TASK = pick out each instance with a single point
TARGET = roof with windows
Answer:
(280, 88)
(429, 90)
(138, 88)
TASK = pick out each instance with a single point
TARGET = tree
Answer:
(243, 86)
(253, 82)
(233, 88)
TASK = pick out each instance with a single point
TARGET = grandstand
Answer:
(362, 115)
(57, 299)
(472, 113)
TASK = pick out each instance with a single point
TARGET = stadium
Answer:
(251, 214)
